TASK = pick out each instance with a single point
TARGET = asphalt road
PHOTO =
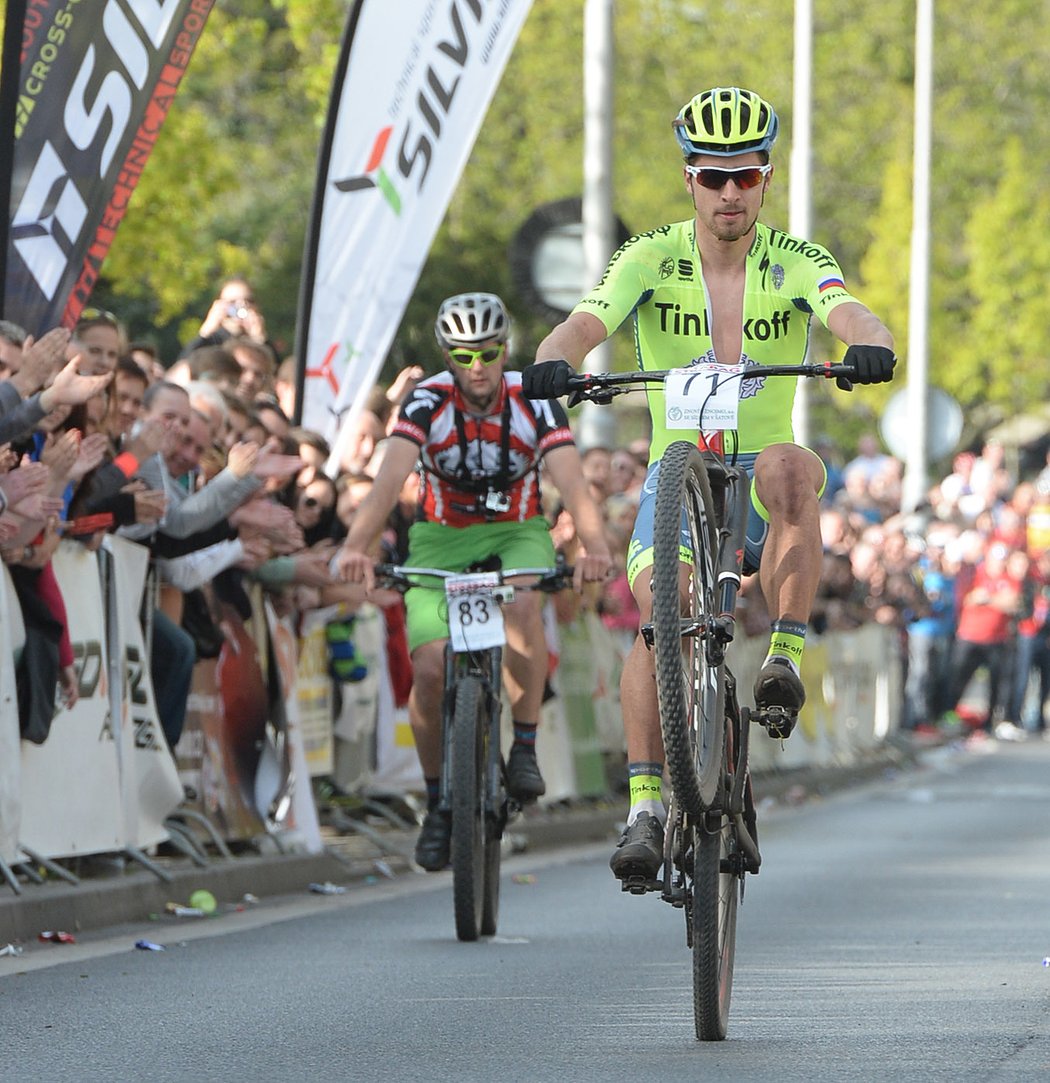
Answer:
(897, 931)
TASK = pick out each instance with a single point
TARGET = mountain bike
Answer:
(473, 772)
(711, 839)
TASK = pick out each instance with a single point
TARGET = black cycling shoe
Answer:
(432, 846)
(779, 696)
(524, 781)
(640, 851)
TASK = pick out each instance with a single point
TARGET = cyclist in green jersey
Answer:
(722, 287)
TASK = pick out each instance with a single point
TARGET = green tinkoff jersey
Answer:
(657, 277)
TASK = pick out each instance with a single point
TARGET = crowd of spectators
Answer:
(200, 460)
(964, 580)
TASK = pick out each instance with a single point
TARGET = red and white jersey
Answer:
(463, 455)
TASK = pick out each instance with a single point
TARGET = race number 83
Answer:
(475, 620)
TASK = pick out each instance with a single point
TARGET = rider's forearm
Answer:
(861, 327)
(592, 534)
(590, 528)
(369, 520)
(572, 340)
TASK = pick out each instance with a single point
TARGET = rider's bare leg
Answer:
(525, 656)
(641, 715)
(787, 481)
(424, 704)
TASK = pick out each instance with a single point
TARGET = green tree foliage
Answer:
(1004, 357)
(229, 185)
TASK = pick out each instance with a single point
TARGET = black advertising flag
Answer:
(96, 81)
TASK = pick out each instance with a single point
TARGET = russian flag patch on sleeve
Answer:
(831, 283)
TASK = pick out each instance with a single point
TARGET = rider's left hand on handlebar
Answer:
(870, 364)
(547, 379)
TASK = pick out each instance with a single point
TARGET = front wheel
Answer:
(690, 689)
(469, 755)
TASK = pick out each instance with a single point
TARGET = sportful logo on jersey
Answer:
(830, 283)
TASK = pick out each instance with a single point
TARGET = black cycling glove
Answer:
(870, 364)
(547, 379)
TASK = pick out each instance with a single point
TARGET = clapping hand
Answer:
(91, 451)
(41, 359)
(272, 464)
(58, 454)
(69, 388)
(23, 481)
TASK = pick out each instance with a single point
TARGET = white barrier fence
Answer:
(104, 780)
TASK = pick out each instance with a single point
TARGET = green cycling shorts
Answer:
(431, 545)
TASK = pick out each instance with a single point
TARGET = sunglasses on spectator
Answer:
(97, 314)
(748, 176)
(466, 358)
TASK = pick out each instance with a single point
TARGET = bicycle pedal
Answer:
(639, 885)
(778, 722)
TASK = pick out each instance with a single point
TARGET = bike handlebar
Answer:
(602, 387)
(401, 577)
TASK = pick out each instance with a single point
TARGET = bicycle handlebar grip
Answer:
(547, 379)
(841, 373)
(551, 584)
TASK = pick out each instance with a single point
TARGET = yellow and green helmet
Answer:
(725, 121)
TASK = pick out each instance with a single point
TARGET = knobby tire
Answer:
(690, 691)
(716, 891)
(493, 828)
(469, 743)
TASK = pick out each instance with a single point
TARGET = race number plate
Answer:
(704, 396)
(475, 620)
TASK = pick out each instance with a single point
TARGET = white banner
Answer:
(301, 815)
(71, 783)
(150, 785)
(12, 638)
(414, 82)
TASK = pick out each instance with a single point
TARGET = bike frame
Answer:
(487, 666)
(731, 492)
